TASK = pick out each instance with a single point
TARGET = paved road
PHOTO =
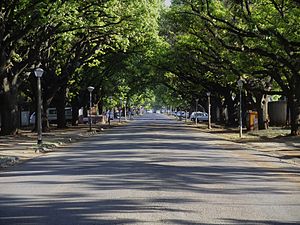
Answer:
(153, 171)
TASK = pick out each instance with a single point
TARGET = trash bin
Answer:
(252, 120)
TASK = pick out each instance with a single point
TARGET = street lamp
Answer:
(120, 110)
(90, 89)
(38, 72)
(196, 110)
(125, 110)
(129, 109)
(240, 85)
(209, 113)
(110, 109)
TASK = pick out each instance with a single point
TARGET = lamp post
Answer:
(240, 85)
(196, 110)
(120, 110)
(125, 110)
(110, 109)
(38, 72)
(209, 112)
(129, 108)
(90, 89)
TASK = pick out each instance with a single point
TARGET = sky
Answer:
(168, 2)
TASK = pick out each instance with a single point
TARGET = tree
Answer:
(267, 32)
(197, 61)
(21, 23)
(62, 37)
(221, 41)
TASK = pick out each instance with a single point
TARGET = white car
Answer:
(182, 114)
(201, 116)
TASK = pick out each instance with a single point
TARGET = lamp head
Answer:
(208, 94)
(90, 88)
(38, 72)
(240, 83)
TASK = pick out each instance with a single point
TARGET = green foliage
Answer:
(214, 43)
(151, 54)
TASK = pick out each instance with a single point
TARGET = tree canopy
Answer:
(145, 51)
(215, 43)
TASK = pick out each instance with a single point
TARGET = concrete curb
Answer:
(46, 147)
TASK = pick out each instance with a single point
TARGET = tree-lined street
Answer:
(149, 112)
(153, 171)
(150, 54)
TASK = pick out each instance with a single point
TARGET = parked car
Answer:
(200, 116)
(182, 114)
(193, 116)
(149, 111)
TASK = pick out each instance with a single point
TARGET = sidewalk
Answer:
(274, 142)
(19, 148)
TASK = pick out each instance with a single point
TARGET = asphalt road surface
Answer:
(153, 171)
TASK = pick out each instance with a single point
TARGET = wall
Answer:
(277, 113)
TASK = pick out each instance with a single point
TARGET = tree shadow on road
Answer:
(102, 177)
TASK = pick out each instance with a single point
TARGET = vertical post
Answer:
(109, 116)
(120, 110)
(196, 111)
(209, 110)
(110, 109)
(241, 118)
(125, 110)
(90, 89)
(39, 112)
(90, 111)
(240, 84)
(39, 73)
(129, 109)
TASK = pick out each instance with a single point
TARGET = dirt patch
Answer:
(275, 141)
(23, 146)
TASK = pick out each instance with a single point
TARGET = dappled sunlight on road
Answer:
(151, 172)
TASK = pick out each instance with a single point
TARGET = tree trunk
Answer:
(75, 109)
(294, 102)
(266, 111)
(45, 122)
(9, 111)
(260, 107)
(60, 101)
(231, 110)
(288, 113)
(75, 115)
(221, 108)
(100, 106)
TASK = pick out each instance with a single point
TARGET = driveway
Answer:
(153, 171)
